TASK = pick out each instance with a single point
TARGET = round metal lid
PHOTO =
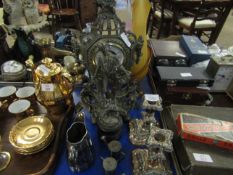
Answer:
(114, 146)
(109, 164)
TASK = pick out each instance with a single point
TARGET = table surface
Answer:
(125, 166)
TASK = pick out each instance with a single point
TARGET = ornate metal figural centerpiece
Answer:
(108, 52)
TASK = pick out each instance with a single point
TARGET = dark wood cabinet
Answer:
(88, 11)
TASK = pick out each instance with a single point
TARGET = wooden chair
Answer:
(161, 17)
(203, 21)
(44, 8)
(65, 13)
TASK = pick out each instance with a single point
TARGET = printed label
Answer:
(121, 4)
(125, 39)
(47, 87)
(202, 157)
(44, 69)
(186, 74)
(203, 87)
(151, 97)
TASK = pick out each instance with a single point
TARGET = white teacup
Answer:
(27, 92)
(20, 108)
(7, 91)
(7, 95)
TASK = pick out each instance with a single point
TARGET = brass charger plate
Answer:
(31, 134)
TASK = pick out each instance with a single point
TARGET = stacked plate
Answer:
(31, 135)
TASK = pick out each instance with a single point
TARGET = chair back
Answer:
(209, 10)
(63, 4)
(161, 5)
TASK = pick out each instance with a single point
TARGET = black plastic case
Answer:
(183, 76)
(168, 53)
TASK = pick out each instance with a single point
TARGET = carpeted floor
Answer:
(225, 38)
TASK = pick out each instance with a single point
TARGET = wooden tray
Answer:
(40, 163)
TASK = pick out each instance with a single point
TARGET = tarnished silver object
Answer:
(13, 71)
(80, 116)
(145, 164)
(115, 149)
(80, 149)
(149, 134)
(109, 165)
(146, 132)
(149, 117)
(48, 49)
(152, 102)
(160, 138)
(108, 52)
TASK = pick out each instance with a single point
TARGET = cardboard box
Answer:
(196, 158)
(194, 48)
(222, 71)
(205, 130)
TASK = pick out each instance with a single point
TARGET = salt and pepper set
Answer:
(110, 163)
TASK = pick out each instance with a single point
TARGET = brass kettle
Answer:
(53, 84)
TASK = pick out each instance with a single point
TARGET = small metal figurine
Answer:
(108, 52)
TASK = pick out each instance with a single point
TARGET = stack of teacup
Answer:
(18, 102)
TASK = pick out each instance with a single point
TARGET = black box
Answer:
(168, 53)
(229, 90)
(183, 76)
(185, 95)
(194, 48)
(198, 158)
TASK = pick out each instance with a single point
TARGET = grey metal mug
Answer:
(80, 149)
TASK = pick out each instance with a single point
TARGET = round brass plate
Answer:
(5, 159)
(31, 134)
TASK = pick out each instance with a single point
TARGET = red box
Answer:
(205, 130)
